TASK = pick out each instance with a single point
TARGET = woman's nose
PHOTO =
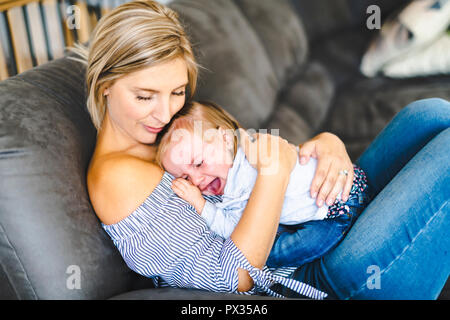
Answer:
(162, 112)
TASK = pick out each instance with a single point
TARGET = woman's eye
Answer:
(179, 93)
(143, 98)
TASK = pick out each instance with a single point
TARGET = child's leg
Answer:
(303, 243)
(309, 241)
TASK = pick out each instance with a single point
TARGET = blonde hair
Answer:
(209, 113)
(133, 36)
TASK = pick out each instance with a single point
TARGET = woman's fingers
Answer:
(332, 159)
(336, 189)
(269, 154)
(306, 151)
(348, 184)
(328, 182)
(323, 166)
(334, 183)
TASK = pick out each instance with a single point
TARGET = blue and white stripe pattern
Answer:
(165, 239)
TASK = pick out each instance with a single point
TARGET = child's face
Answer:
(204, 162)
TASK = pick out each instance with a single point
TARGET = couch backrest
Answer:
(325, 18)
(248, 50)
(52, 245)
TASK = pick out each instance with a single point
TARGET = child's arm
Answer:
(187, 191)
(215, 217)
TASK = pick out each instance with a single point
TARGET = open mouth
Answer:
(214, 187)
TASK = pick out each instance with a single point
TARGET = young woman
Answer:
(140, 66)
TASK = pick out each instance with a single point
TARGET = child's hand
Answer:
(187, 191)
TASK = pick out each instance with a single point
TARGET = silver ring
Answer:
(344, 172)
(252, 138)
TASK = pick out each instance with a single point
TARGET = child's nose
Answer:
(196, 179)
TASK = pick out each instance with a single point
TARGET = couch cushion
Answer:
(184, 294)
(49, 231)
(270, 19)
(236, 70)
(324, 18)
(287, 123)
(341, 55)
(311, 95)
(364, 107)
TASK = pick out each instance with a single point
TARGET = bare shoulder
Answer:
(118, 184)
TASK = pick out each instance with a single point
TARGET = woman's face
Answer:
(141, 103)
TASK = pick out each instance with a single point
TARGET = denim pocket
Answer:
(357, 203)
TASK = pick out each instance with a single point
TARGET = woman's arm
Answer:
(332, 158)
(255, 232)
(126, 182)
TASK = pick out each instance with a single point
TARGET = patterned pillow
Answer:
(418, 25)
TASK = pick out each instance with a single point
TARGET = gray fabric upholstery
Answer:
(269, 19)
(323, 18)
(311, 95)
(262, 64)
(232, 57)
(182, 294)
(362, 106)
(47, 222)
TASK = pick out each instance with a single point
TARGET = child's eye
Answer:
(198, 164)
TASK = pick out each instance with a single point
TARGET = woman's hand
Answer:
(270, 155)
(332, 158)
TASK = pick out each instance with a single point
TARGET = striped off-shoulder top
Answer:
(166, 240)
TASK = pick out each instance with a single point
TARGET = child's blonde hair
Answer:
(211, 115)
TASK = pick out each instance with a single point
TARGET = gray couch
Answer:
(273, 64)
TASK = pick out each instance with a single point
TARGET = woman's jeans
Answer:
(399, 246)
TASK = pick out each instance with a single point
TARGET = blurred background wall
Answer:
(33, 32)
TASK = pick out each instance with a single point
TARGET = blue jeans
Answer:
(399, 246)
(299, 244)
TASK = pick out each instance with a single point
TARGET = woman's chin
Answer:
(148, 139)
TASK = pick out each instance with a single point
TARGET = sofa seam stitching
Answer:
(20, 264)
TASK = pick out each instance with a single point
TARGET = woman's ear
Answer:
(106, 91)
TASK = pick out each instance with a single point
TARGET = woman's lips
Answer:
(152, 130)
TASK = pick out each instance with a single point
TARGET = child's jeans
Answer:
(314, 238)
